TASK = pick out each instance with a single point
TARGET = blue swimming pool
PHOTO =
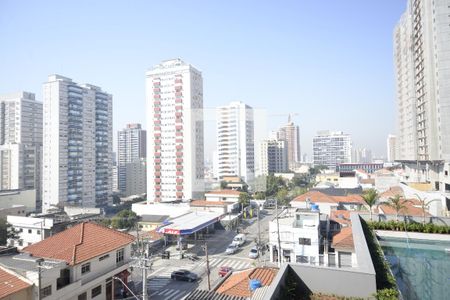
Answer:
(421, 267)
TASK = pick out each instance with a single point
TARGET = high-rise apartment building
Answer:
(77, 144)
(175, 158)
(422, 64)
(291, 134)
(273, 157)
(235, 141)
(361, 155)
(132, 142)
(20, 143)
(332, 148)
(391, 144)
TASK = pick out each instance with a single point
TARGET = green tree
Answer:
(297, 191)
(282, 196)
(223, 185)
(7, 232)
(371, 197)
(125, 219)
(259, 195)
(397, 203)
(424, 205)
(244, 199)
(274, 184)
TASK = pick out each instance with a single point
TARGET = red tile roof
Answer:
(319, 197)
(152, 235)
(238, 283)
(80, 243)
(209, 203)
(410, 210)
(344, 239)
(10, 283)
(224, 192)
(392, 191)
(341, 216)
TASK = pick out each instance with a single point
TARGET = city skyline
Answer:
(120, 58)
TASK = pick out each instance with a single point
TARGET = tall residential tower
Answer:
(175, 158)
(77, 144)
(332, 148)
(291, 134)
(235, 141)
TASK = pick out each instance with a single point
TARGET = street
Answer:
(161, 286)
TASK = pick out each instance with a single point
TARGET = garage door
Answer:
(345, 259)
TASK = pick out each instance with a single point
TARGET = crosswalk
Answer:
(235, 264)
(172, 294)
(162, 279)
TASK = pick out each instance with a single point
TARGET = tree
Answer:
(297, 191)
(244, 199)
(7, 232)
(424, 205)
(259, 195)
(282, 196)
(274, 184)
(223, 185)
(125, 219)
(397, 203)
(371, 197)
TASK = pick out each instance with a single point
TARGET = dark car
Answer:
(224, 270)
(184, 275)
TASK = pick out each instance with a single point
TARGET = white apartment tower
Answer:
(235, 141)
(291, 134)
(77, 144)
(131, 149)
(175, 158)
(391, 144)
(273, 157)
(332, 148)
(422, 63)
(20, 143)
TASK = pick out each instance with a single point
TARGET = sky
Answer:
(330, 62)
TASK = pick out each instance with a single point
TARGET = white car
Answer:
(239, 239)
(232, 249)
(253, 253)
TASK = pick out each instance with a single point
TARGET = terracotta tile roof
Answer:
(368, 181)
(79, 243)
(392, 191)
(410, 210)
(319, 197)
(209, 203)
(234, 179)
(344, 239)
(224, 192)
(10, 283)
(238, 283)
(152, 235)
(341, 216)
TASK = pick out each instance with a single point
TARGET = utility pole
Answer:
(144, 279)
(207, 265)
(39, 278)
(278, 233)
(259, 233)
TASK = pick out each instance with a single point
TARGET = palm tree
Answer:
(398, 203)
(371, 197)
(424, 205)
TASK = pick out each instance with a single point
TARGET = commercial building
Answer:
(77, 144)
(21, 143)
(175, 160)
(235, 141)
(391, 145)
(273, 157)
(290, 133)
(136, 178)
(361, 155)
(132, 142)
(332, 148)
(422, 64)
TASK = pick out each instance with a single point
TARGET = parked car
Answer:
(239, 239)
(253, 252)
(224, 270)
(232, 248)
(184, 275)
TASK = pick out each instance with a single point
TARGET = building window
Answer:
(29, 230)
(82, 296)
(304, 241)
(96, 291)
(38, 232)
(119, 255)
(47, 291)
(86, 268)
(103, 257)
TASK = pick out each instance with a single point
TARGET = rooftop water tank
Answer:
(314, 207)
(254, 284)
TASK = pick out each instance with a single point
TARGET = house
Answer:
(151, 222)
(238, 283)
(223, 195)
(344, 248)
(223, 207)
(330, 201)
(14, 286)
(86, 261)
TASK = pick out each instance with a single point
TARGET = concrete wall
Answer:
(417, 219)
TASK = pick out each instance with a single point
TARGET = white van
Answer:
(239, 239)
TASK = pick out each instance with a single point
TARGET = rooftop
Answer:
(10, 283)
(238, 283)
(344, 239)
(210, 203)
(79, 243)
(321, 197)
(224, 192)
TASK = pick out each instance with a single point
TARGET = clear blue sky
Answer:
(329, 61)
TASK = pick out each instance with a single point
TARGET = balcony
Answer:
(179, 194)
(179, 147)
(158, 134)
(178, 100)
(157, 173)
(157, 122)
(179, 127)
(178, 133)
(179, 141)
(179, 180)
(178, 81)
(157, 109)
(157, 128)
(178, 107)
(158, 160)
(179, 153)
(157, 180)
(157, 96)
(178, 114)
(179, 160)
(179, 173)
